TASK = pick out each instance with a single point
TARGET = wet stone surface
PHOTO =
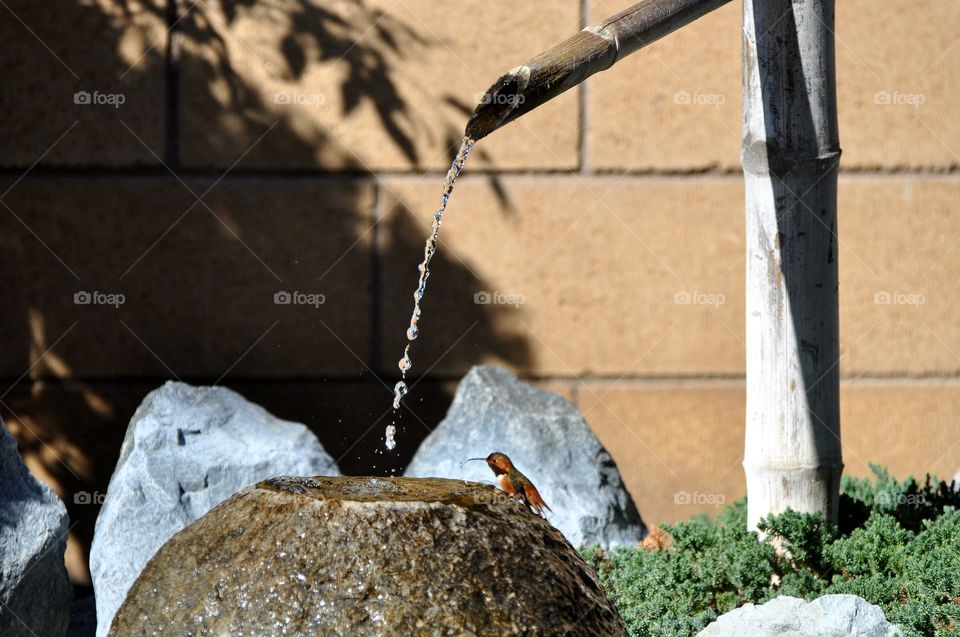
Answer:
(367, 556)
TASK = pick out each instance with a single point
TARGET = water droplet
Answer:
(390, 433)
(399, 391)
(412, 333)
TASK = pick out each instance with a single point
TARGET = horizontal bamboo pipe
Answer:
(596, 48)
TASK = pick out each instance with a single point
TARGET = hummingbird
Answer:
(514, 482)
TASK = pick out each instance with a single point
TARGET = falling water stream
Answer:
(429, 249)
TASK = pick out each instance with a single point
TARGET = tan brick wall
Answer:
(299, 146)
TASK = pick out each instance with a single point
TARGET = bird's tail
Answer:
(533, 497)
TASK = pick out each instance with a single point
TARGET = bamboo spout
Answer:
(596, 48)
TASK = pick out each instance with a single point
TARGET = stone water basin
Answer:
(367, 556)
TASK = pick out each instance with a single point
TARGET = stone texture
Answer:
(899, 276)
(199, 299)
(597, 275)
(186, 450)
(201, 291)
(827, 616)
(911, 428)
(199, 285)
(367, 556)
(366, 86)
(549, 442)
(897, 84)
(34, 590)
(679, 445)
(676, 105)
(610, 286)
(102, 48)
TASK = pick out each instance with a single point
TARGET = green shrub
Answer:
(897, 545)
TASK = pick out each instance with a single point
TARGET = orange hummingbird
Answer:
(514, 482)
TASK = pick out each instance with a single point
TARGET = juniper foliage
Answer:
(897, 545)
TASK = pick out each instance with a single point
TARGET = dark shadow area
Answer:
(112, 209)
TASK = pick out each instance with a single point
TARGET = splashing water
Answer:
(429, 249)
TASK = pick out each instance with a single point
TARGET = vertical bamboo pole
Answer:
(791, 149)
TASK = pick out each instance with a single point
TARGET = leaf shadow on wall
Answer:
(200, 244)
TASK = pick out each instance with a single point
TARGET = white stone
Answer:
(827, 616)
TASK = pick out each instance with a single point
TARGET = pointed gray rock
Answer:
(35, 593)
(827, 616)
(548, 441)
(186, 450)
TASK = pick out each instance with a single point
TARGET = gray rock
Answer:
(35, 592)
(827, 616)
(547, 440)
(367, 557)
(186, 450)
